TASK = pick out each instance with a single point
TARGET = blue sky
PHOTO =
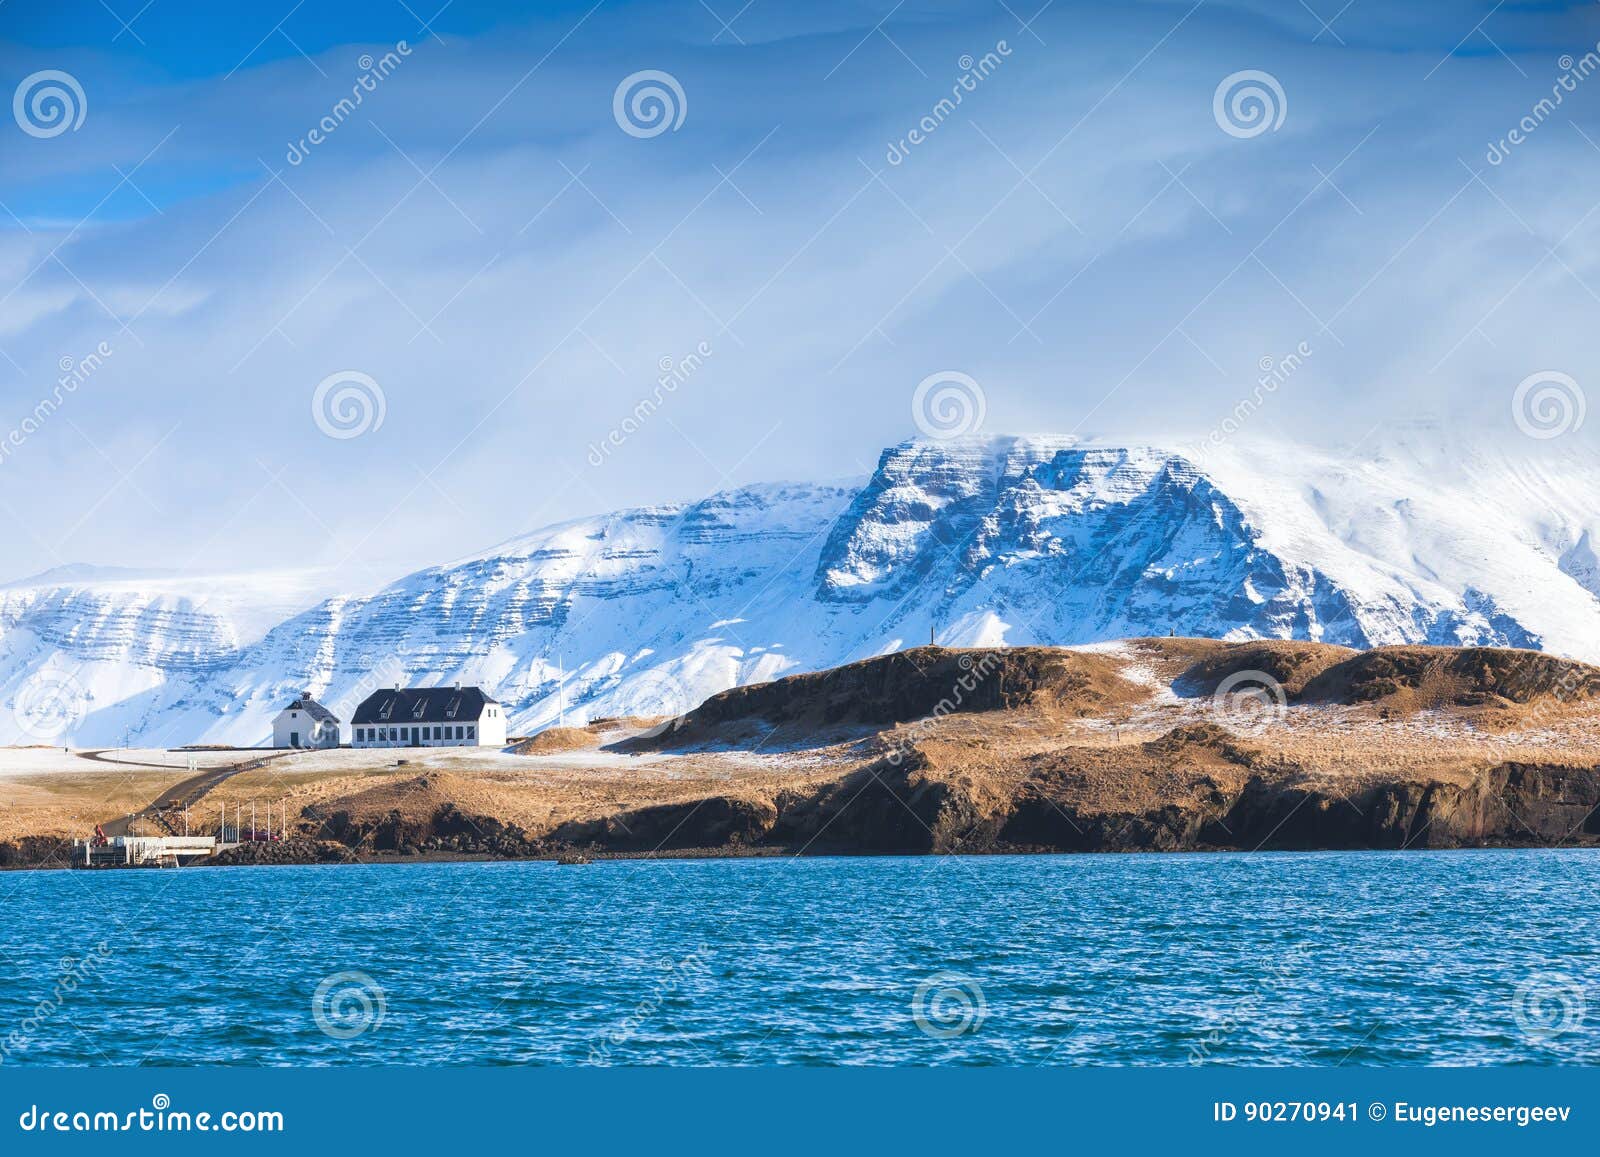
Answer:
(509, 268)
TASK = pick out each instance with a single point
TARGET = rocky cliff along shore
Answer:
(1164, 744)
(1145, 745)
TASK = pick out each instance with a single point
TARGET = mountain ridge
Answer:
(982, 540)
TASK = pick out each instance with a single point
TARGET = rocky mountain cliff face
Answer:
(980, 541)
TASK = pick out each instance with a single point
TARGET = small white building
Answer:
(305, 723)
(428, 717)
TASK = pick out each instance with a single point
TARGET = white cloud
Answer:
(514, 306)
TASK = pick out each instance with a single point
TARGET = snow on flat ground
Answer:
(347, 759)
(17, 761)
(34, 760)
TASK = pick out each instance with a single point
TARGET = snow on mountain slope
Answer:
(981, 540)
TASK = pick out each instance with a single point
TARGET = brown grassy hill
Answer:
(1433, 677)
(904, 686)
(1399, 679)
(1121, 747)
(553, 739)
(1206, 663)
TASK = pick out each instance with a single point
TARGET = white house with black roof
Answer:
(428, 717)
(305, 723)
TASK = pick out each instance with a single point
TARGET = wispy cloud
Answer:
(479, 237)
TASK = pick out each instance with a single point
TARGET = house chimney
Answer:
(458, 684)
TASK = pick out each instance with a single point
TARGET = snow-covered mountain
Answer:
(981, 540)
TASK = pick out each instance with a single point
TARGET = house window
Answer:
(436, 733)
(471, 731)
(461, 732)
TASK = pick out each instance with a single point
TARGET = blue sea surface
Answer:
(1414, 958)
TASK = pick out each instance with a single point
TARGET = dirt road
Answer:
(185, 793)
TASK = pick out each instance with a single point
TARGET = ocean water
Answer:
(1415, 958)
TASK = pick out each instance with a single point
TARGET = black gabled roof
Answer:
(314, 709)
(422, 705)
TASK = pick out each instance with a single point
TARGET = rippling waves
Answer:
(1325, 959)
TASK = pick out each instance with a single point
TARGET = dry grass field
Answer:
(1152, 742)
